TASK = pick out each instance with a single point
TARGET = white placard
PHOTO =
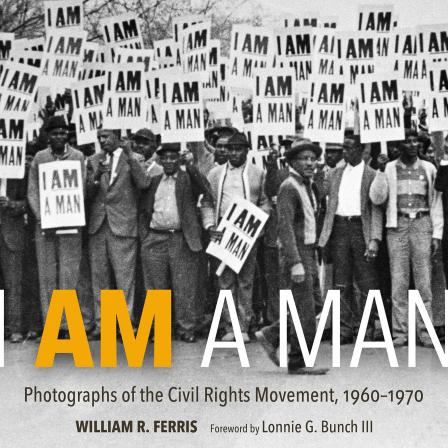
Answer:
(273, 102)
(18, 87)
(380, 108)
(182, 111)
(88, 102)
(12, 147)
(64, 53)
(125, 99)
(251, 48)
(241, 226)
(67, 14)
(324, 120)
(61, 194)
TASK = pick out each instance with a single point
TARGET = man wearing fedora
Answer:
(170, 235)
(58, 255)
(237, 178)
(351, 232)
(297, 208)
(114, 177)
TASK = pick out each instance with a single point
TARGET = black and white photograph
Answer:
(222, 223)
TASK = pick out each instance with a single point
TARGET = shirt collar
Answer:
(235, 168)
(116, 153)
(173, 176)
(60, 156)
(413, 166)
(296, 174)
(359, 167)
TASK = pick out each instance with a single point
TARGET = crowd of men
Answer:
(348, 220)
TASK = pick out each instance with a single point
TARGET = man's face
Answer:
(237, 155)
(332, 157)
(144, 147)
(351, 152)
(108, 140)
(409, 148)
(431, 153)
(170, 161)
(221, 154)
(393, 152)
(57, 138)
(305, 163)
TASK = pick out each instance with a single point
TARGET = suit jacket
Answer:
(291, 220)
(12, 223)
(189, 186)
(371, 215)
(117, 201)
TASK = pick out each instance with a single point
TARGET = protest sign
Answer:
(435, 40)
(183, 22)
(306, 19)
(261, 145)
(250, 48)
(66, 14)
(295, 49)
(311, 19)
(64, 53)
(378, 18)
(12, 147)
(219, 107)
(37, 44)
(18, 87)
(325, 56)
(61, 194)
(182, 108)
(152, 82)
(121, 31)
(6, 46)
(273, 102)
(167, 53)
(325, 118)
(195, 47)
(235, 109)
(125, 104)
(380, 108)
(129, 56)
(90, 52)
(260, 159)
(438, 99)
(410, 63)
(358, 52)
(241, 226)
(29, 57)
(211, 87)
(88, 102)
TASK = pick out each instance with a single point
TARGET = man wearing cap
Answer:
(351, 232)
(170, 235)
(237, 178)
(145, 143)
(114, 177)
(58, 255)
(414, 222)
(297, 207)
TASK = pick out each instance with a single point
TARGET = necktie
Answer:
(111, 171)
